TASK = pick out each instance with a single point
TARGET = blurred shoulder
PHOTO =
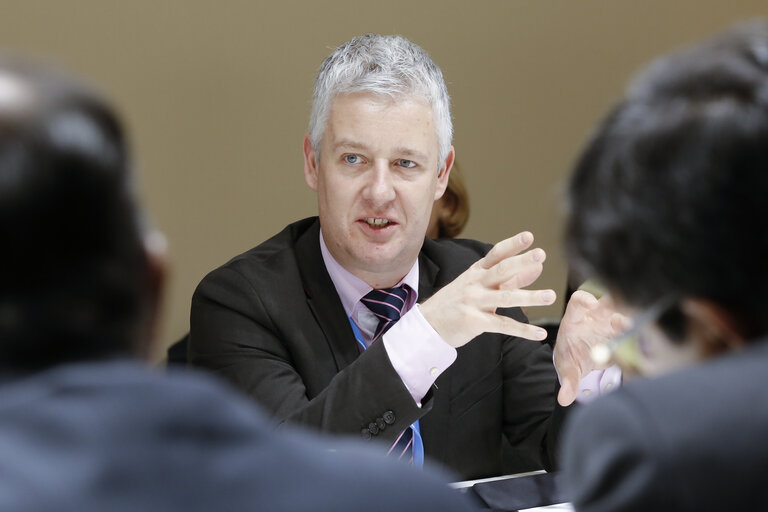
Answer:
(352, 476)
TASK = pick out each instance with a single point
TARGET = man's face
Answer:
(376, 179)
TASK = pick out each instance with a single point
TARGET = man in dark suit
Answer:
(668, 210)
(293, 322)
(83, 425)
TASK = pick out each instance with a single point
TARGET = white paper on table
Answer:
(563, 507)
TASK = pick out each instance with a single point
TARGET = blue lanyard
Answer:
(418, 444)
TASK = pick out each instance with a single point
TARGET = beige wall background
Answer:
(217, 95)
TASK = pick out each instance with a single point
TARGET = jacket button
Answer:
(381, 423)
(389, 417)
(373, 428)
(365, 433)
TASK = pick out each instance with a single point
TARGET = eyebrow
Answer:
(405, 152)
(348, 143)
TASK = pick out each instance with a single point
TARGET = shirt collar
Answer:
(351, 288)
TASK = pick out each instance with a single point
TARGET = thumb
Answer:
(620, 323)
(578, 305)
(568, 391)
(568, 372)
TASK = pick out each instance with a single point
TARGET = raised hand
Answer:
(467, 306)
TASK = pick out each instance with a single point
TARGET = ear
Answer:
(310, 163)
(711, 327)
(156, 253)
(444, 173)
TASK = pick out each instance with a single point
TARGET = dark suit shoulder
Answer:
(608, 457)
(733, 380)
(271, 263)
(442, 260)
(278, 250)
(655, 443)
(455, 251)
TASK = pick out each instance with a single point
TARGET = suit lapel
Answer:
(323, 300)
(427, 275)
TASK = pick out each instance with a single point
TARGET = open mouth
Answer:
(376, 222)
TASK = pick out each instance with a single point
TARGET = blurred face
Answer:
(646, 350)
(661, 355)
(376, 177)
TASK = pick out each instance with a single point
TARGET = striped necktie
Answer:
(387, 304)
(408, 446)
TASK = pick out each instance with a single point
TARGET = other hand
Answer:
(587, 322)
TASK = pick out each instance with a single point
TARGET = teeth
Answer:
(376, 223)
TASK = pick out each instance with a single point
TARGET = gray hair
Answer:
(385, 65)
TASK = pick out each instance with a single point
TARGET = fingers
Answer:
(568, 391)
(491, 299)
(506, 248)
(523, 278)
(526, 267)
(579, 305)
(570, 371)
(467, 307)
(504, 325)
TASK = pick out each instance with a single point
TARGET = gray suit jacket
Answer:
(692, 440)
(120, 437)
(272, 323)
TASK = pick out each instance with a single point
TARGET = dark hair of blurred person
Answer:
(674, 182)
(668, 210)
(81, 426)
(450, 213)
(78, 282)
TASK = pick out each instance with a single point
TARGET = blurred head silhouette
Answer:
(80, 276)
(668, 200)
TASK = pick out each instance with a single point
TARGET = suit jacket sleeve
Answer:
(244, 331)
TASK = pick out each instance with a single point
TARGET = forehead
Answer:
(382, 121)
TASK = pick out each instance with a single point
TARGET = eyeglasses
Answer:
(629, 350)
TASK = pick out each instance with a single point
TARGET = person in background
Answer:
(354, 323)
(668, 209)
(86, 426)
(450, 213)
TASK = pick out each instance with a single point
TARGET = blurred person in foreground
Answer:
(83, 424)
(668, 209)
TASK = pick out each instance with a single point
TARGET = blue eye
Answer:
(406, 163)
(352, 159)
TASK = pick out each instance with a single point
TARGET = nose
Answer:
(380, 188)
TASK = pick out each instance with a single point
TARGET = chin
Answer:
(376, 260)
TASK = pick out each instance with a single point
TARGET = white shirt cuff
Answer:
(418, 354)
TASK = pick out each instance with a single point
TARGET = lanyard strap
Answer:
(418, 444)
